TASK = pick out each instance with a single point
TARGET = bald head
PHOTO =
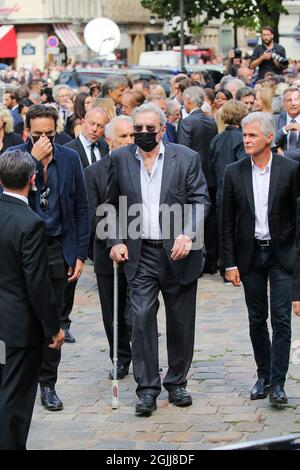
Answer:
(93, 124)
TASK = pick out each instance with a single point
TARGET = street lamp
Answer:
(182, 33)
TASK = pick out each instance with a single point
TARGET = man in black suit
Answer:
(91, 147)
(158, 252)
(296, 273)
(90, 144)
(61, 201)
(119, 132)
(196, 132)
(258, 233)
(288, 124)
(26, 317)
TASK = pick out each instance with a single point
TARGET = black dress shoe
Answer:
(260, 389)
(277, 395)
(180, 397)
(50, 400)
(69, 338)
(146, 405)
(122, 371)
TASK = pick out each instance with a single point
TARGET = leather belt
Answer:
(263, 242)
(154, 243)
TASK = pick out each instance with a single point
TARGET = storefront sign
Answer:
(28, 49)
(8, 11)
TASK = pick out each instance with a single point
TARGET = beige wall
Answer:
(36, 39)
(26, 9)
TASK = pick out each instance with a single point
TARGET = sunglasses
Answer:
(139, 128)
(44, 203)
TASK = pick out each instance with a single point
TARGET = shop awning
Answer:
(8, 42)
(67, 36)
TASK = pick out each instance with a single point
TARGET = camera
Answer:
(282, 60)
(237, 53)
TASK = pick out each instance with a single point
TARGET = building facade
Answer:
(27, 29)
(289, 29)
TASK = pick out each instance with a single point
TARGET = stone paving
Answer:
(222, 373)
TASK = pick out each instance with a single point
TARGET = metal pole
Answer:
(182, 34)
(115, 384)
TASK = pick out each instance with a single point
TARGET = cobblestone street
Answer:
(222, 373)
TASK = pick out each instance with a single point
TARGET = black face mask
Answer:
(146, 140)
(35, 138)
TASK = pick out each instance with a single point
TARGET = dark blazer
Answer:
(96, 182)
(238, 213)
(10, 140)
(62, 138)
(226, 147)
(183, 183)
(26, 316)
(281, 137)
(73, 200)
(296, 278)
(196, 132)
(79, 148)
(170, 134)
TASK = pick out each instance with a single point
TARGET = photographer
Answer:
(234, 61)
(268, 56)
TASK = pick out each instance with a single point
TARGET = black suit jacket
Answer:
(79, 148)
(10, 140)
(196, 132)
(296, 280)
(26, 316)
(238, 213)
(281, 137)
(225, 148)
(183, 183)
(96, 183)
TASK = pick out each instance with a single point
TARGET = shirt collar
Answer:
(267, 167)
(16, 196)
(289, 118)
(85, 142)
(161, 152)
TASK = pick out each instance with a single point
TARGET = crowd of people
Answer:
(232, 148)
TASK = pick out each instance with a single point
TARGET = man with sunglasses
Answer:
(159, 255)
(60, 200)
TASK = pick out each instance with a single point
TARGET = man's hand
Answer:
(58, 340)
(75, 273)
(181, 248)
(42, 148)
(296, 307)
(233, 276)
(266, 55)
(293, 126)
(119, 253)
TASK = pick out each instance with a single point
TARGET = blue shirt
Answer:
(52, 214)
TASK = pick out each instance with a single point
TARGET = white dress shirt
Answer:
(150, 189)
(17, 196)
(261, 184)
(289, 119)
(88, 148)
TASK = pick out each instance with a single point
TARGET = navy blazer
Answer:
(281, 137)
(73, 200)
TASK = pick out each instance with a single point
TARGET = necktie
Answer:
(293, 137)
(64, 114)
(93, 155)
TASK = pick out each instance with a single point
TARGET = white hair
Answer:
(110, 127)
(150, 108)
(195, 94)
(58, 88)
(265, 120)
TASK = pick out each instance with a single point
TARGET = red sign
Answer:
(52, 41)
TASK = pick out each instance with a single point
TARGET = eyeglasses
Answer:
(139, 128)
(44, 203)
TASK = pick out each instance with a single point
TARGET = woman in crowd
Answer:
(8, 138)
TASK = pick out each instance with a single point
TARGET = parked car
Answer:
(212, 74)
(79, 77)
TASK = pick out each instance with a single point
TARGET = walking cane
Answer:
(115, 383)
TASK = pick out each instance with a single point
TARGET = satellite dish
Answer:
(102, 35)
